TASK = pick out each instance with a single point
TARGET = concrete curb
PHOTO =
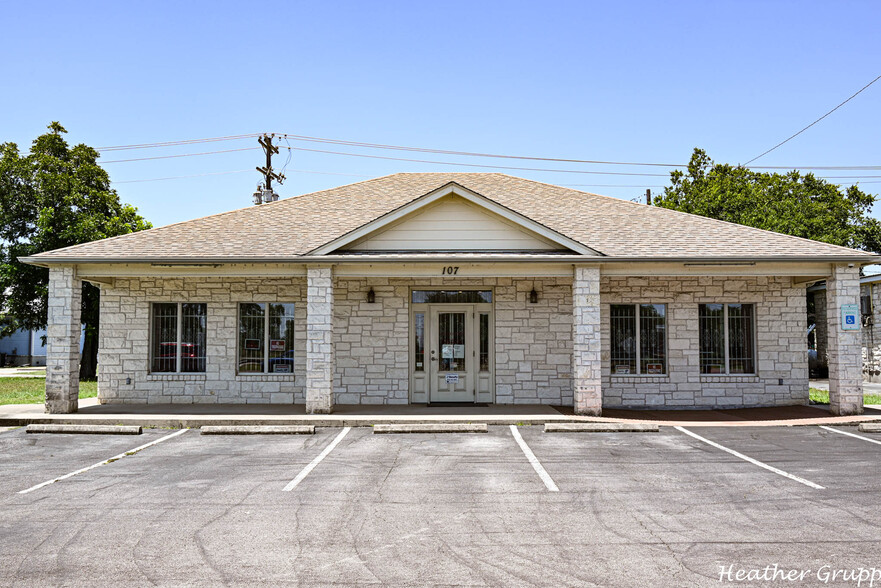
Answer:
(870, 428)
(86, 429)
(599, 428)
(432, 428)
(198, 421)
(257, 430)
(168, 421)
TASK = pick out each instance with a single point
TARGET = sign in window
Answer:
(177, 333)
(638, 339)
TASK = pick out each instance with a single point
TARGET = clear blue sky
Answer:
(631, 81)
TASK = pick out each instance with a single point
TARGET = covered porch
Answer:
(550, 340)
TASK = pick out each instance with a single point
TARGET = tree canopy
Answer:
(54, 196)
(792, 203)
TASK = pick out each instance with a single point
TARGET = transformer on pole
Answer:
(264, 192)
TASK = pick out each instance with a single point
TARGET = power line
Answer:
(484, 166)
(444, 152)
(469, 153)
(820, 167)
(174, 143)
(237, 171)
(556, 159)
(288, 159)
(566, 171)
(538, 169)
(813, 123)
(847, 177)
(180, 155)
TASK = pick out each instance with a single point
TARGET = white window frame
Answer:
(638, 330)
(178, 329)
(265, 371)
(755, 349)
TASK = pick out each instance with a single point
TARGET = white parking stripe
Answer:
(105, 462)
(851, 435)
(751, 460)
(293, 483)
(536, 465)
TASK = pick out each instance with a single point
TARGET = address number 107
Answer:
(450, 270)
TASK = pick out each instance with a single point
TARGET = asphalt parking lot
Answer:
(610, 509)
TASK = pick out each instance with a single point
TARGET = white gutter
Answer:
(566, 259)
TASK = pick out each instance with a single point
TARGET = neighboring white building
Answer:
(433, 288)
(25, 347)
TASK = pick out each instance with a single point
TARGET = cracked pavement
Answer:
(434, 509)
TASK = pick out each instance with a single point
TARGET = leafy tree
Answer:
(790, 203)
(54, 196)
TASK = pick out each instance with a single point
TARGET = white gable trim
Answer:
(473, 197)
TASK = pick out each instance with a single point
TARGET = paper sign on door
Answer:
(447, 352)
(452, 378)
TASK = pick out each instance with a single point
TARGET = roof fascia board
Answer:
(469, 268)
(803, 272)
(697, 261)
(463, 192)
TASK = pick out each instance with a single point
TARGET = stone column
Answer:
(587, 367)
(63, 345)
(319, 340)
(844, 348)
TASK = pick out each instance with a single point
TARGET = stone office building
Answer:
(447, 287)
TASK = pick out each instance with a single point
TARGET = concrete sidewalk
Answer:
(868, 387)
(197, 415)
(23, 372)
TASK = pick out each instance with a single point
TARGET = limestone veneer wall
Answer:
(781, 344)
(533, 342)
(124, 342)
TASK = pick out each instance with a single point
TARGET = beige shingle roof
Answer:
(295, 226)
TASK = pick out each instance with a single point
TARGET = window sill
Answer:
(730, 378)
(640, 378)
(177, 377)
(266, 377)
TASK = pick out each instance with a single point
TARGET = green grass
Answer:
(33, 390)
(822, 397)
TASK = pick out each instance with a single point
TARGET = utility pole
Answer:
(648, 196)
(264, 191)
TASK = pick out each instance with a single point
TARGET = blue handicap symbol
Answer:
(850, 319)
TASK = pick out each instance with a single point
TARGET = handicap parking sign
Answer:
(849, 314)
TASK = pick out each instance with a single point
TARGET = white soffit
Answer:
(453, 218)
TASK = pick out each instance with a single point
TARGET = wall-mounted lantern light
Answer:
(533, 296)
(371, 296)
